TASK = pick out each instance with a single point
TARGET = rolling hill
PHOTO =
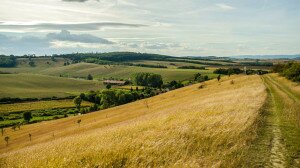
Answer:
(188, 127)
(40, 86)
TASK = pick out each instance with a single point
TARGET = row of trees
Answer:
(7, 61)
(148, 79)
(290, 70)
(229, 71)
(232, 71)
(112, 97)
(191, 67)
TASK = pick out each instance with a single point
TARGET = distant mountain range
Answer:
(296, 56)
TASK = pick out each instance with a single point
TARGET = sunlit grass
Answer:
(188, 127)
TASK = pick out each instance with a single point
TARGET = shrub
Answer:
(219, 77)
(77, 101)
(89, 77)
(27, 116)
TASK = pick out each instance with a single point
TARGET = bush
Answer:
(292, 72)
(27, 116)
(89, 77)
(199, 78)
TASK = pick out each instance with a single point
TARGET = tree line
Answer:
(7, 61)
(290, 70)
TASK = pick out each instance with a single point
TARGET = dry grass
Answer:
(188, 127)
(4, 108)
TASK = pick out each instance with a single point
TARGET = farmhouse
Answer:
(114, 82)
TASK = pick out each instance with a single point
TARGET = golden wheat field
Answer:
(189, 127)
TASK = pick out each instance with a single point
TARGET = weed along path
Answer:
(283, 123)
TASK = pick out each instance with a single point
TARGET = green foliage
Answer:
(113, 57)
(31, 63)
(290, 70)
(173, 85)
(191, 67)
(82, 96)
(27, 116)
(257, 63)
(77, 101)
(199, 78)
(108, 86)
(89, 77)
(8, 61)
(148, 79)
(228, 71)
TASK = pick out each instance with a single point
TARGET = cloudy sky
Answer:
(172, 27)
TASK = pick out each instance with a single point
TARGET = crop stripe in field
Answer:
(277, 155)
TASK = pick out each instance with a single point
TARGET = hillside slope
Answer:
(188, 127)
(121, 71)
(40, 86)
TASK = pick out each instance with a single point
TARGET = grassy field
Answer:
(168, 64)
(278, 137)
(4, 108)
(285, 119)
(103, 71)
(40, 86)
(122, 72)
(188, 127)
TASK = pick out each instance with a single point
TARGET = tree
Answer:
(29, 135)
(82, 96)
(77, 101)
(219, 77)
(196, 76)
(148, 79)
(31, 63)
(230, 71)
(27, 116)
(108, 86)
(6, 139)
(89, 77)
(14, 127)
(78, 122)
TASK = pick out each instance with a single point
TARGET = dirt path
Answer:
(283, 104)
(278, 154)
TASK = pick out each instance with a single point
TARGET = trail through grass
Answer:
(283, 124)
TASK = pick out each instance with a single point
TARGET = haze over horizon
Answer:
(174, 27)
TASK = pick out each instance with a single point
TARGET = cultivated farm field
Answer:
(5, 108)
(41, 86)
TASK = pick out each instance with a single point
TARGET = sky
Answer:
(170, 27)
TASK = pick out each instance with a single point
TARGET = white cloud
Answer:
(65, 35)
(35, 26)
(151, 26)
(225, 7)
